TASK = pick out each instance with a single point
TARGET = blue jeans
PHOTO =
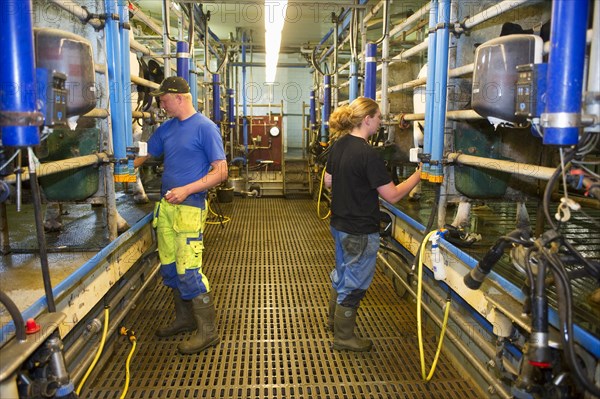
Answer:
(355, 258)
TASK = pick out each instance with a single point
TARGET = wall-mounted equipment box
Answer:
(495, 75)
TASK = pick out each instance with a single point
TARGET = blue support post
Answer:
(436, 174)
(183, 60)
(216, 96)
(117, 118)
(353, 80)
(125, 72)
(562, 120)
(370, 70)
(17, 72)
(231, 111)
(324, 137)
(429, 88)
(313, 111)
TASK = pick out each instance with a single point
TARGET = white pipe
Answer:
(410, 52)
(412, 20)
(374, 10)
(385, 53)
(75, 9)
(453, 73)
(144, 82)
(492, 12)
(50, 168)
(101, 113)
(465, 114)
(471, 22)
(147, 20)
(522, 169)
(166, 39)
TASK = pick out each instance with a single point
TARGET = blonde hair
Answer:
(187, 96)
(344, 119)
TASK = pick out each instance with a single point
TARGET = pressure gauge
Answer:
(274, 131)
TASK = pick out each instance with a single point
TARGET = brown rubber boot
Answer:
(206, 336)
(184, 319)
(343, 334)
(332, 305)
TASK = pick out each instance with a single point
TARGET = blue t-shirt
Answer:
(189, 147)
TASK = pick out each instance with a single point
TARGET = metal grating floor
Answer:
(268, 270)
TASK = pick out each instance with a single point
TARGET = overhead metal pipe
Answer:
(385, 53)
(452, 73)
(346, 20)
(561, 120)
(76, 10)
(19, 119)
(410, 21)
(488, 13)
(493, 11)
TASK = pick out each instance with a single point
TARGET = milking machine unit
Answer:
(32, 101)
(549, 262)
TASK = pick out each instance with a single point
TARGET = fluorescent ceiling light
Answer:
(275, 11)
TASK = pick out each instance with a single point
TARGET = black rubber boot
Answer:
(332, 305)
(343, 334)
(206, 336)
(184, 319)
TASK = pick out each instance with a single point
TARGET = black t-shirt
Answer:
(357, 171)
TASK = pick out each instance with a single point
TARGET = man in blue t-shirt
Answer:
(194, 161)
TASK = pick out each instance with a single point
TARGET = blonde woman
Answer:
(357, 177)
